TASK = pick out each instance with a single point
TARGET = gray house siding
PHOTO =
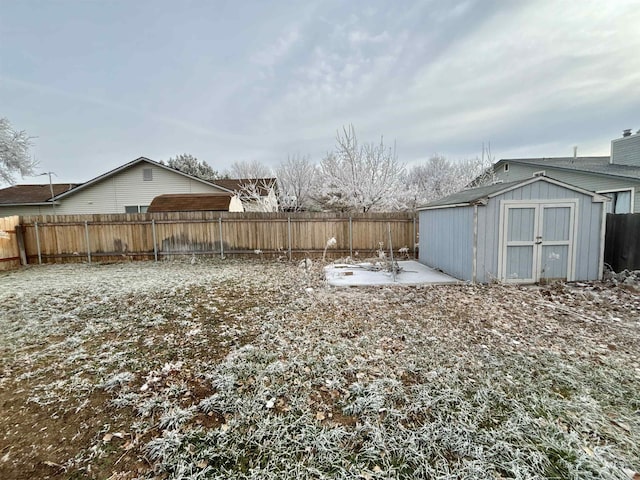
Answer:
(446, 240)
(591, 182)
(626, 150)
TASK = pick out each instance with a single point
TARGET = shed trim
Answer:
(539, 205)
(596, 197)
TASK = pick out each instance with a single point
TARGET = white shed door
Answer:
(537, 242)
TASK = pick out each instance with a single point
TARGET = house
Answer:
(616, 176)
(257, 194)
(196, 202)
(525, 231)
(129, 188)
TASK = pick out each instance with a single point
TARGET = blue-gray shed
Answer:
(517, 232)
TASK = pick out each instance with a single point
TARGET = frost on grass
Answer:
(233, 370)
(117, 380)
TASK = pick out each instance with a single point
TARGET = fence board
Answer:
(621, 246)
(117, 237)
(9, 252)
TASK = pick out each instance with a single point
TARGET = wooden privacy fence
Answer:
(9, 251)
(621, 245)
(108, 238)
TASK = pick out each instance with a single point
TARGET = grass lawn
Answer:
(238, 369)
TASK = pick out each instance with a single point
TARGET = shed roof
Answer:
(190, 202)
(481, 195)
(30, 194)
(596, 165)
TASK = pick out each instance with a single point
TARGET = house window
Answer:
(136, 208)
(621, 201)
(147, 174)
(506, 167)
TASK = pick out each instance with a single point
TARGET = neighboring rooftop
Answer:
(598, 165)
(24, 194)
(191, 202)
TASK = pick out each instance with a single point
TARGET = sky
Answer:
(100, 83)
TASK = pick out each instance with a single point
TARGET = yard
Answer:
(237, 369)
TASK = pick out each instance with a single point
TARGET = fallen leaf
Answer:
(320, 416)
(107, 437)
(202, 463)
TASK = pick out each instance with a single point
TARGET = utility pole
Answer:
(53, 203)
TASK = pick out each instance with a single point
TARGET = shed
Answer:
(526, 231)
(196, 202)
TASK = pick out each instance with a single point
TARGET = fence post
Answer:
(414, 236)
(155, 243)
(38, 244)
(221, 242)
(289, 234)
(20, 241)
(86, 237)
(393, 267)
(350, 237)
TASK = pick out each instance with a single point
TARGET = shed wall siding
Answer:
(128, 188)
(446, 240)
(594, 183)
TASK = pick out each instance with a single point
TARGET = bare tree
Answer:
(14, 153)
(360, 177)
(296, 181)
(249, 169)
(483, 168)
(439, 177)
(258, 194)
(190, 165)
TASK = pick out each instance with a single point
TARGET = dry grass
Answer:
(258, 370)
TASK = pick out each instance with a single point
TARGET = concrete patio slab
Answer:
(411, 273)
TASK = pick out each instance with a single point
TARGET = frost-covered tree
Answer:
(14, 153)
(439, 177)
(296, 182)
(249, 169)
(358, 177)
(192, 166)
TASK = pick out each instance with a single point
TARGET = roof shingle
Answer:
(190, 202)
(25, 194)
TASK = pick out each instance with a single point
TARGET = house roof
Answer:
(595, 165)
(190, 202)
(132, 164)
(480, 195)
(236, 184)
(32, 194)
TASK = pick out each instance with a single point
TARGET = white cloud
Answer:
(273, 54)
(363, 37)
